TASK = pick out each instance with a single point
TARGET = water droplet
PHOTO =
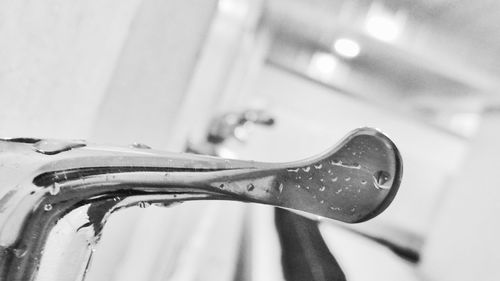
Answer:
(140, 145)
(307, 187)
(354, 154)
(334, 179)
(345, 165)
(353, 210)
(54, 188)
(318, 166)
(363, 182)
(334, 208)
(47, 207)
(322, 201)
(20, 252)
(381, 179)
(250, 187)
(347, 179)
(298, 185)
(321, 180)
(293, 170)
(329, 171)
(21, 140)
(143, 204)
(51, 147)
(306, 169)
(338, 191)
(322, 188)
(280, 187)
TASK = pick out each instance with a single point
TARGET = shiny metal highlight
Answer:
(55, 196)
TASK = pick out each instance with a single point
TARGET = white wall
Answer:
(56, 60)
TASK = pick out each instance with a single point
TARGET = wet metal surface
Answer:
(47, 182)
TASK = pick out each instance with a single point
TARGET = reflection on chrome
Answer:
(56, 195)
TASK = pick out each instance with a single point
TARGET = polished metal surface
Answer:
(55, 196)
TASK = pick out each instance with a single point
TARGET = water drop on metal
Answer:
(54, 189)
(280, 187)
(143, 204)
(381, 178)
(51, 147)
(139, 145)
(20, 252)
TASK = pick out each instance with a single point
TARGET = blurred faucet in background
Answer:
(234, 125)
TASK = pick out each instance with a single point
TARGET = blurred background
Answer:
(274, 80)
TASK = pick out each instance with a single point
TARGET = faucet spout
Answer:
(46, 184)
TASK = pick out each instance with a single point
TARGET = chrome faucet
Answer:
(55, 196)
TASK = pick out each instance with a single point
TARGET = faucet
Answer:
(55, 195)
(231, 125)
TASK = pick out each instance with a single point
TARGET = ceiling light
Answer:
(383, 24)
(323, 65)
(347, 48)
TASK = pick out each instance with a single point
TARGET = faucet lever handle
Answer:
(43, 182)
(353, 182)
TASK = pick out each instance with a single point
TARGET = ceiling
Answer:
(444, 57)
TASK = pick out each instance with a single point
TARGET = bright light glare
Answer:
(383, 28)
(323, 65)
(234, 8)
(347, 48)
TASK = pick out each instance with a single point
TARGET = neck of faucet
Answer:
(55, 196)
(66, 198)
